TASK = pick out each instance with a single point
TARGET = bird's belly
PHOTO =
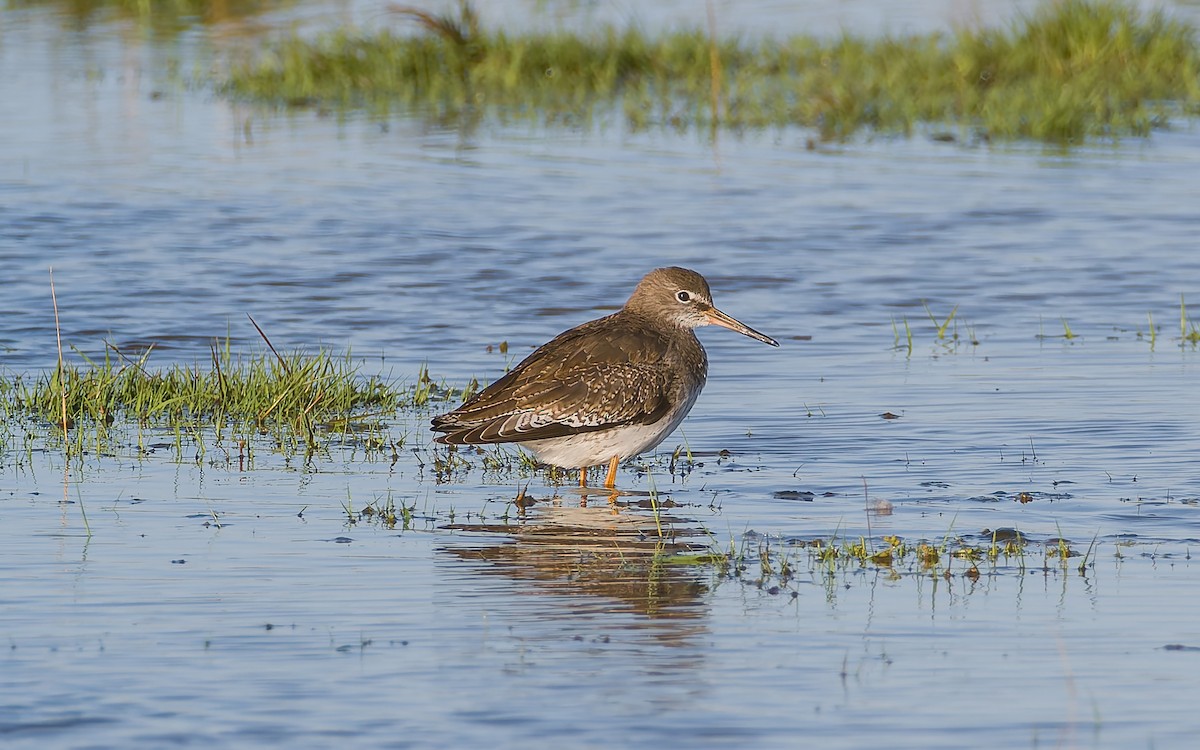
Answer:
(595, 448)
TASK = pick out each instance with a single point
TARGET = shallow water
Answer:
(217, 605)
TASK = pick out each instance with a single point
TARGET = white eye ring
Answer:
(683, 296)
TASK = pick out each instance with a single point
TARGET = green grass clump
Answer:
(1072, 70)
(1187, 336)
(296, 394)
(1079, 68)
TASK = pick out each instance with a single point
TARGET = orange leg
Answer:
(583, 477)
(610, 480)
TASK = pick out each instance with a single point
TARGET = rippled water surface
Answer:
(218, 604)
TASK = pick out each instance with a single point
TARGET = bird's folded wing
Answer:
(585, 399)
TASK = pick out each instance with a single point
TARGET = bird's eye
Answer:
(683, 296)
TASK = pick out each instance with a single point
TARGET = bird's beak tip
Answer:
(718, 318)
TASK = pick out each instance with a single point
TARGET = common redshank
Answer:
(607, 390)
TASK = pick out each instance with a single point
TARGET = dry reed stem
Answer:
(62, 375)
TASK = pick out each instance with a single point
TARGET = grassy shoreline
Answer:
(1073, 70)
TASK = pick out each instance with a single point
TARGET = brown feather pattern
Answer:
(603, 374)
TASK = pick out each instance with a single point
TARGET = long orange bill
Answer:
(718, 318)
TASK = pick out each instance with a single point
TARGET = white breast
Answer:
(594, 448)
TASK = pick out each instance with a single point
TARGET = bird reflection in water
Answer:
(634, 552)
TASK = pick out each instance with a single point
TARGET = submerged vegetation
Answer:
(1073, 70)
(774, 565)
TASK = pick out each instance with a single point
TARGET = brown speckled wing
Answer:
(590, 378)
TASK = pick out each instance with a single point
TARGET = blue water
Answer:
(217, 605)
